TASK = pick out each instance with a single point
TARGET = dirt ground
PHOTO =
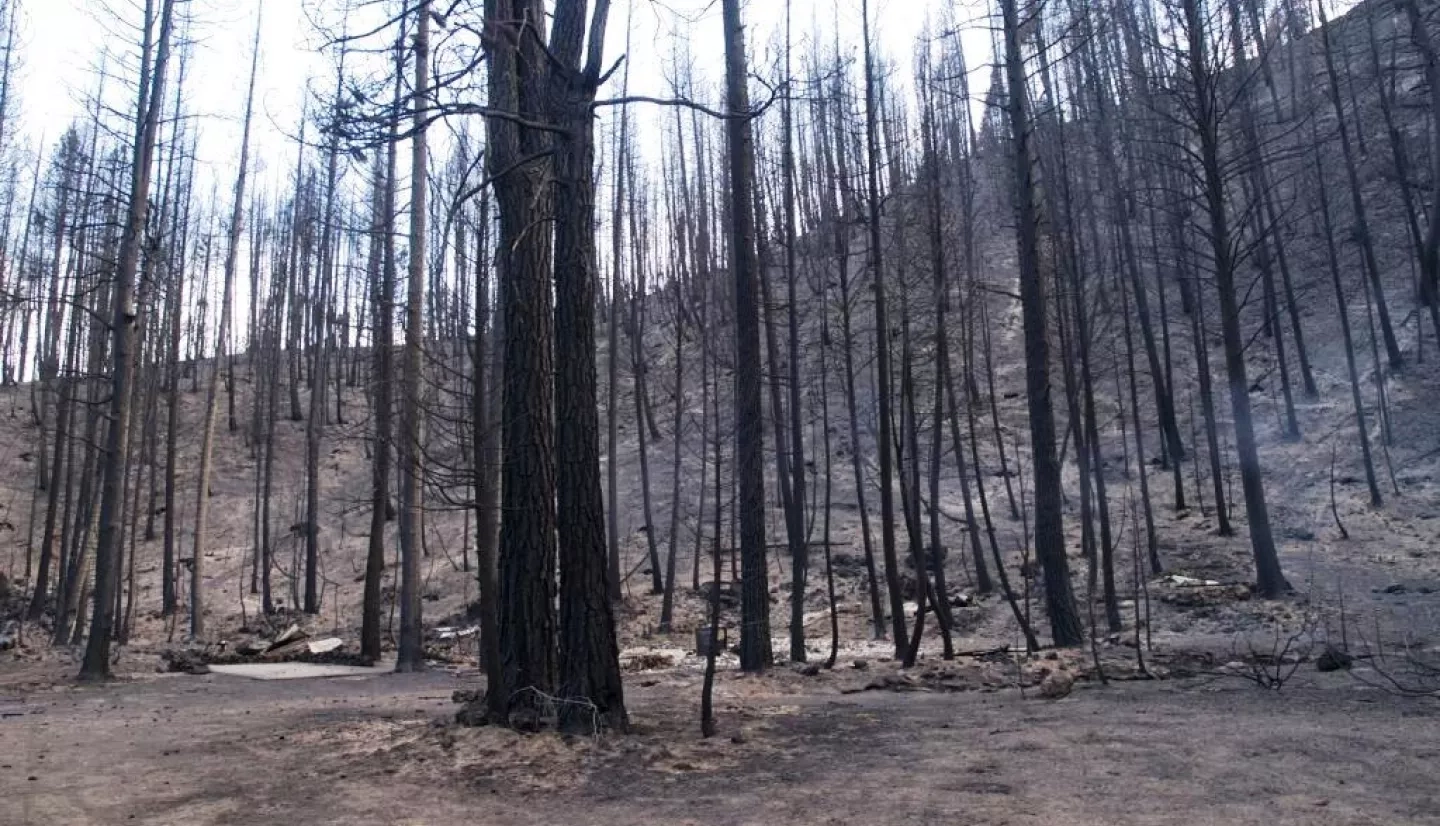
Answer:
(179, 749)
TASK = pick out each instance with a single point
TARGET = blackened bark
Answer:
(1270, 581)
(795, 515)
(755, 646)
(1357, 203)
(589, 654)
(1049, 533)
(885, 443)
(382, 268)
(411, 655)
(96, 665)
(1327, 230)
(527, 589)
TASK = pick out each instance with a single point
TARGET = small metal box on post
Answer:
(704, 644)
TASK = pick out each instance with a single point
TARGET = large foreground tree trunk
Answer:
(589, 652)
(527, 590)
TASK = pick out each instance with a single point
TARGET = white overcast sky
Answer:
(61, 42)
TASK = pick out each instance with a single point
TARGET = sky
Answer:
(61, 43)
(64, 47)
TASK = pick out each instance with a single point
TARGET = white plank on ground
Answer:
(298, 671)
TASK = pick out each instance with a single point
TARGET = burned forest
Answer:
(719, 411)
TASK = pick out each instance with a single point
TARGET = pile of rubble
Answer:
(291, 645)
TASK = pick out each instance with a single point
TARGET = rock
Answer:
(276, 652)
(1334, 659)
(1411, 587)
(895, 682)
(287, 636)
(1056, 684)
(324, 646)
(526, 719)
(250, 648)
(729, 593)
(647, 660)
(909, 588)
(473, 714)
(465, 696)
(453, 633)
(185, 661)
(1182, 581)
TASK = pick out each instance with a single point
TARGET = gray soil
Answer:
(226, 750)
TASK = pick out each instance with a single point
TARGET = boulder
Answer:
(185, 661)
(1334, 659)
(1056, 684)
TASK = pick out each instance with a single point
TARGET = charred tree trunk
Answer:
(755, 650)
(411, 654)
(1049, 532)
(96, 665)
(589, 654)
(885, 441)
(527, 590)
(1270, 581)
